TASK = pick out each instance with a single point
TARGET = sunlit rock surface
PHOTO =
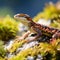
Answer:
(44, 22)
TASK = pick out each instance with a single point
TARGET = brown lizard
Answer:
(37, 28)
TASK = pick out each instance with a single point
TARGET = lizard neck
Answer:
(30, 24)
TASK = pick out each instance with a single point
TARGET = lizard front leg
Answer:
(34, 38)
(37, 31)
(25, 35)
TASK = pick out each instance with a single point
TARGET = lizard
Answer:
(39, 29)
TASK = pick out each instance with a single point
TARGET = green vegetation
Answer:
(17, 43)
(8, 28)
(48, 51)
(2, 51)
(50, 11)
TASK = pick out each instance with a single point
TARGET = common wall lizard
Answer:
(37, 28)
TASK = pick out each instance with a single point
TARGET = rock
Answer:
(30, 58)
(39, 57)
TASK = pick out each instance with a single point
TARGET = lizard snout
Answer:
(17, 15)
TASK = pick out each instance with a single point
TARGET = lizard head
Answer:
(23, 18)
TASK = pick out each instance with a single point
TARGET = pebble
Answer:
(39, 57)
(18, 50)
(30, 58)
(29, 45)
(10, 55)
(8, 45)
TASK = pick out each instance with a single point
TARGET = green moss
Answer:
(46, 50)
(17, 43)
(8, 28)
(2, 51)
